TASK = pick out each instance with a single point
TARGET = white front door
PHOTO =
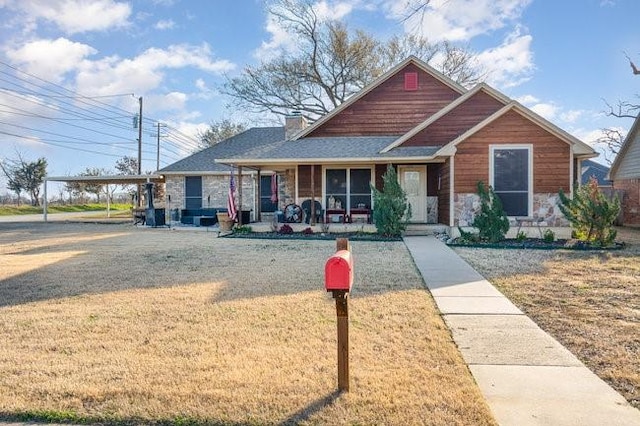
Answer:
(413, 180)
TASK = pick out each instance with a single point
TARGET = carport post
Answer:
(44, 201)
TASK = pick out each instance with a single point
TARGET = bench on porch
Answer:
(529, 221)
(201, 217)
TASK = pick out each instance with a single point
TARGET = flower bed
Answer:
(536, 244)
(352, 236)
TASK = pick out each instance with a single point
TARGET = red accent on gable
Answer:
(410, 81)
(457, 121)
(389, 110)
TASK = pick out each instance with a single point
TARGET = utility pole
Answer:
(140, 152)
(158, 150)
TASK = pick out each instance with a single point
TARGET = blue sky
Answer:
(563, 59)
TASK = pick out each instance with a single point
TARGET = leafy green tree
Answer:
(392, 209)
(25, 176)
(219, 131)
(90, 187)
(591, 213)
(491, 221)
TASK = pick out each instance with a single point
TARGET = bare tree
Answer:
(330, 64)
(219, 131)
(612, 138)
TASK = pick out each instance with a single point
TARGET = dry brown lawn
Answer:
(589, 301)
(123, 325)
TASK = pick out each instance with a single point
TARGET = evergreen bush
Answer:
(392, 210)
(591, 214)
(491, 221)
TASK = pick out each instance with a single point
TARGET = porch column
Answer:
(258, 199)
(239, 195)
(313, 195)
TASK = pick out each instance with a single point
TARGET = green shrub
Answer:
(521, 236)
(467, 237)
(591, 214)
(392, 210)
(549, 236)
(491, 222)
(244, 229)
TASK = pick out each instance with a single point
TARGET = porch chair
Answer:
(306, 208)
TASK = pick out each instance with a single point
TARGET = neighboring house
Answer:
(625, 174)
(596, 170)
(441, 138)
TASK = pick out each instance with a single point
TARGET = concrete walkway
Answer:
(527, 377)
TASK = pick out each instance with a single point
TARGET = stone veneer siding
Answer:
(214, 186)
(630, 200)
(545, 207)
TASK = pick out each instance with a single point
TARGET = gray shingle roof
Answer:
(267, 143)
(247, 141)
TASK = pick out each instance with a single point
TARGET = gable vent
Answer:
(410, 81)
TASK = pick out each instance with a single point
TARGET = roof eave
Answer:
(308, 161)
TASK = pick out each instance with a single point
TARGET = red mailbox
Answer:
(338, 271)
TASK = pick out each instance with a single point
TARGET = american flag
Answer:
(231, 200)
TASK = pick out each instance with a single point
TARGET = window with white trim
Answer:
(511, 178)
(349, 187)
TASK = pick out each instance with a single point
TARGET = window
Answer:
(511, 178)
(350, 187)
(336, 189)
(193, 192)
(267, 205)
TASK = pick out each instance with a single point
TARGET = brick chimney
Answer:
(293, 124)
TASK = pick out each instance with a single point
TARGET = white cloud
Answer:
(165, 24)
(459, 20)
(332, 11)
(76, 16)
(50, 58)
(527, 100)
(280, 41)
(201, 85)
(547, 110)
(509, 64)
(571, 116)
(144, 72)
(172, 101)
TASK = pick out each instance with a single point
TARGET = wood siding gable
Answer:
(627, 163)
(580, 149)
(551, 155)
(388, 107)
(456, 121)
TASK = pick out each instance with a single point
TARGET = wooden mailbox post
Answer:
(338, 275)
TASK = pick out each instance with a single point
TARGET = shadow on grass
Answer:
(71, 418)
(307, 412)
(56, 261)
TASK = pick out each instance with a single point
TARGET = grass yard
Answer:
(589, 301)
(122, 325)
(9, 210)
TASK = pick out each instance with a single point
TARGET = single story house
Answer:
(439, 136)
(625, 174)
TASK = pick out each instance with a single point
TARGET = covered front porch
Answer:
(341, 193)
